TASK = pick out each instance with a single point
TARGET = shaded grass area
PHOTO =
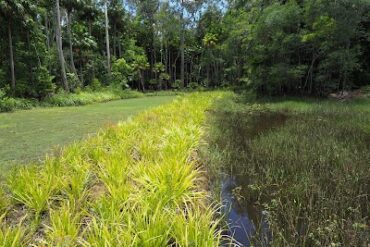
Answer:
(28, 135)
(135, 184)
(67, 99)
(304, 164)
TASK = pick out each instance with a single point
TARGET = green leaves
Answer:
(32, 189)
(210, 40)
(10, 236)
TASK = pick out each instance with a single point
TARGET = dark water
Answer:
(244, 220)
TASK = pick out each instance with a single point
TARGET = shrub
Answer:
(11, 104)
(43, 84)
(85, 98)
(62, 98)
(95, 84)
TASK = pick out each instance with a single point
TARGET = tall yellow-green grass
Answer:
(135, 184)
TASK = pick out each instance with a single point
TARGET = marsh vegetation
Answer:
(301, 167)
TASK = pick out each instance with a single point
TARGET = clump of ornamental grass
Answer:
(32, 189)
(134, 184)
(169, 183)
(64, 226)
(11, 236)
(306, 167)
(197, 227)
(4, 200)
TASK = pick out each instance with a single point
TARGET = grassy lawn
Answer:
(29, 135)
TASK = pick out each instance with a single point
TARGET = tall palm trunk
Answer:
(182, 46)
(58, 34)
(70, 37)
(11, 55)
(107, 37)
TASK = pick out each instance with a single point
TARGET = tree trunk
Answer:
(114, 40)
(47, 27)
(47, 31)
(142, 80)
(70, 37)
(208, 75)
(29, 65)
(90, 27)
(170, 64)
(58, 34)
(119, 47)
(182, 47)
(191, 70)
(11, 58)
(166, 66)
(107, 37)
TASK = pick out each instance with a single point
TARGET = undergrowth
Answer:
(135, 184)
(85, 98)
(8, 104)
(11, 104)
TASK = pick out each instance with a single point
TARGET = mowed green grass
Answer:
(28, 135)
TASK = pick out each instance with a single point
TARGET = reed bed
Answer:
(302, 164)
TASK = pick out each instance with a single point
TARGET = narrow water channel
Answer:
(247, 223)
(244, 221)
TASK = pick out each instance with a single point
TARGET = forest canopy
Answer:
(274, 47)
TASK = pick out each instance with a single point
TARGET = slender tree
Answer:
(11, 55)
(7, 11)
(58, 34)
(107, 37)
(70, 5)
(182, 44)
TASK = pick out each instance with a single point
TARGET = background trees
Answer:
(275, 47)
(305, 47)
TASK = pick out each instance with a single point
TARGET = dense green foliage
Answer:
(135, 184)
(304, 163)
(275, 47)
(311, 47)
(141, 47)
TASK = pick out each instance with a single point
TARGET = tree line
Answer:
(275, 47)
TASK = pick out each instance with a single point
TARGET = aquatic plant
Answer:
(303, 165)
